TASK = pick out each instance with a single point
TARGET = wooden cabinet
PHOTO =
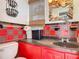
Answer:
(31, 51)
(52, 54)
(34, 52)
(58, 55)
(71, 56)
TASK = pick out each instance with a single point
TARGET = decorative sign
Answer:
(11, 8)
(14, 11)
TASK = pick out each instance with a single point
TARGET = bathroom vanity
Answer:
(46, 49)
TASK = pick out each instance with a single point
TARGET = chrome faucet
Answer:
(65, 38)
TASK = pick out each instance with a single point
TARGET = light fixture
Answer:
(62, 2)
(49, 1)
(55, 0)
(58, 3)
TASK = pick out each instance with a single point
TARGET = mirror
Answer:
(36, 10)
(60, 10)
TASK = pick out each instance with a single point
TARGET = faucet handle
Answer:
(65, 39)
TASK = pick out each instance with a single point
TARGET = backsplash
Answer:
(11, 33)
(61, 30)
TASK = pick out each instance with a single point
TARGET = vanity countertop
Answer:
(50, 44)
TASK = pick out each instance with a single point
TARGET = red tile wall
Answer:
(63, 31)
(48, 31)
(11, 34)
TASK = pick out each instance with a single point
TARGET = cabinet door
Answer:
(71, 56)
(29, 51)
(37, 52)
(34, 52)
(46, 54)
(58, 55)
(52, 54)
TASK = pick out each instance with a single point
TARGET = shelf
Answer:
(54, 22)
(73, 20)
(60, 21)
(6, 22)
(37, 23)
